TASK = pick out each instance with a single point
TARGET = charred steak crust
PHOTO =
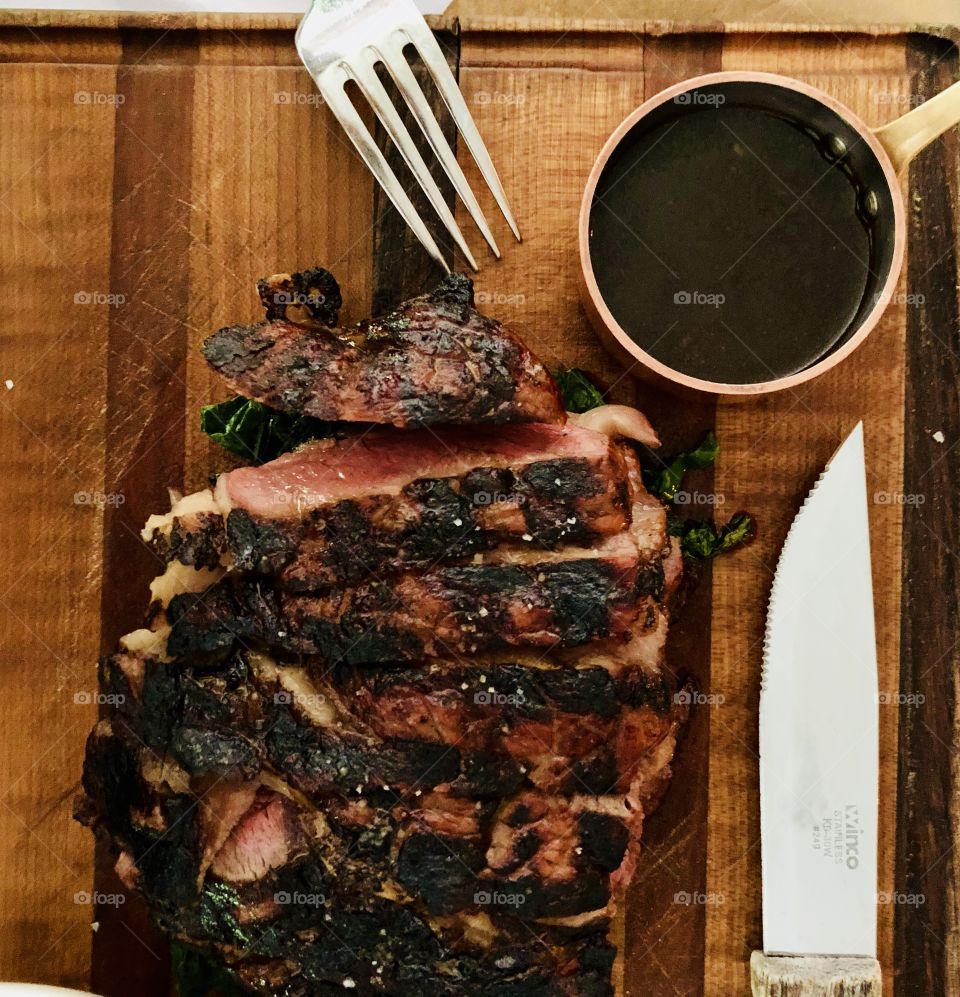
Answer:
(460, 609)
(415, 520)
(473, 728)
(315, 924)
(199, 542)
(306, 297)
(567, 501)
(393, 838)
(381, 735)
(433, 360)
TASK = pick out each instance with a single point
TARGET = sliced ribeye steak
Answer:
(399, 709)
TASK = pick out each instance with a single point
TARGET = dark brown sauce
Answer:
(731, 243)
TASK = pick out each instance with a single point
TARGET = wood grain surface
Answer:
(149, 175)
(927, 943)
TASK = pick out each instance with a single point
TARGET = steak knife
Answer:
(819, 746)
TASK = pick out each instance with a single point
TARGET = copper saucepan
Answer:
(881, 155)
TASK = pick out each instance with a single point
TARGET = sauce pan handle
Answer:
(907, 135)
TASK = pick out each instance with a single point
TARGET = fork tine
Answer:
(369, 83)
(409, 87)
(340, 104)
(422, 39)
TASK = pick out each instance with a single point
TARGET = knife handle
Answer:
(814, 976)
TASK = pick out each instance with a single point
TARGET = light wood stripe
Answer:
(772, 453)
(55, 239)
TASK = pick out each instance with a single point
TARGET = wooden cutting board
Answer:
(151, 168)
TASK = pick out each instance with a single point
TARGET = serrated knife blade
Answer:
(819, 738)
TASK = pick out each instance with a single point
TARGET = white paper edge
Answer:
(195, 6)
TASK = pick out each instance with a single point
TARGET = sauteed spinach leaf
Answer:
(699, 539)
(665, 482)
(256, 432)
(579, 393)
(195, 974)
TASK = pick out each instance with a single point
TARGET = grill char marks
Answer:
(481, 732)
(276, 886)
(199, 542)
(247, 868)
(433, 360)
(571, 730)
(229, 723)
(315, 924)
(307, 297)
(465, 609)
(332, 514)
(566, 500)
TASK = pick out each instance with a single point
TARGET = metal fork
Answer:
(343, 40)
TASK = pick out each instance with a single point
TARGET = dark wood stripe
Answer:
(146, 398)
(401, 266)
(930, 655)
(665, 943)
(665, 937)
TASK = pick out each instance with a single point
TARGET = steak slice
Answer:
(481, 731)
(570, 730)
(237, 720)
(433, 360)
(537, 600)
(332, 514)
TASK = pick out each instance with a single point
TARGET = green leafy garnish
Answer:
(258, 433)
(700, 539)
(665, 482)
(579, 393)
(195, 974)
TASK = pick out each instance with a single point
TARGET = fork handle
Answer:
(814, 976)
